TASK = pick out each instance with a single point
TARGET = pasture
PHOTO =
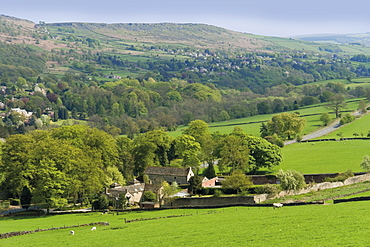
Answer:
(341, 224)
(325, 157)
(360, 126)
(251, 125)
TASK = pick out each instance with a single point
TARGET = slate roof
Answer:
(130, 189)
(167, 171)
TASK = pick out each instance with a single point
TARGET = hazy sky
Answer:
(264, 17)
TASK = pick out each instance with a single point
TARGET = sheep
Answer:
(94, 228)
(277, 205)
(72, 232)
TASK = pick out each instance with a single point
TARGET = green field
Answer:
(325, 157)
(359, 126)
(341, 224)
(312, 122)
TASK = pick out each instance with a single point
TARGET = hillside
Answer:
(137, 77)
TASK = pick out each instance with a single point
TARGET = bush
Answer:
(149, 196)
(217, 193)
(291, 180)
(101, 203)
(270, 189)
(15, 202)
(340, 177)
(347, 119)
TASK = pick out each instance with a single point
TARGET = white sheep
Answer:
(277, 205)
(72, 232)
(94, 228)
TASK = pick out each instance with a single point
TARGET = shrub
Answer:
(291, 180)
(270, 189)
(217, 193)
(340, 177)
(15, 202)
(347, 119)
(149, 196)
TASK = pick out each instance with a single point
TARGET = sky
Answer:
(282, 18)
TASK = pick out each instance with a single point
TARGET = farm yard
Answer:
(341, 224)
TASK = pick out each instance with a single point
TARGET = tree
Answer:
(234, 153)
(325, 118)
(195, 184)
(209, 172)
(237, 181)
(199, 130)
(336, 103)
(262, 154)
(168, 190)
(291, 180)
(187, 149)
(26, 197)
(286, 125)
(149, 196)
(365, 164)
(362, 106)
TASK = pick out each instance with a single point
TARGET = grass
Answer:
(325, 157)
(359, 126)
(312, 122)
(325, 195)
(341, 224)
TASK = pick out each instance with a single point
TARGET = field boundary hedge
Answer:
(19, 233)
(355, 199)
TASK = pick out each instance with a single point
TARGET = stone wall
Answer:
(327, 185)
(212, 201)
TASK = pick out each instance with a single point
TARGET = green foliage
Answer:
(286, 125)
(262, 153)
(347, 119)
(217, 193)
(237, 181)
(325, 118)
(149, 196)
(195, 184)
(101, 203)
(291, 180)
(365, 164)
(340, 177)
(209, 172)
(234, 153)
(270, 189)
(26, 197)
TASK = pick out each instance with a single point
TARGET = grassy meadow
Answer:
(341, 224)
(325, 157)
(359, 126)
(251, 125)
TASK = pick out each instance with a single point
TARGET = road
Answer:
(323, 131)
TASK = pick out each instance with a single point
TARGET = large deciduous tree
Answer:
(262, 154)
(286, 125)
(336, 103)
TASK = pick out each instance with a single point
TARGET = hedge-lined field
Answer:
(251, 125)
(325, 157)
(315, 225)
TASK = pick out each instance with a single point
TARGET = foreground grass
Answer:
(325, 157)
(324, 225)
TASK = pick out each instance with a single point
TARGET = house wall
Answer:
(169, 179)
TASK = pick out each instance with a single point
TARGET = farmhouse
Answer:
(168, 174)
(133, 193)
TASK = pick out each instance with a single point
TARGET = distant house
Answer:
(22, 112)
(169, 174)
(132, 192)
(206, 183)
